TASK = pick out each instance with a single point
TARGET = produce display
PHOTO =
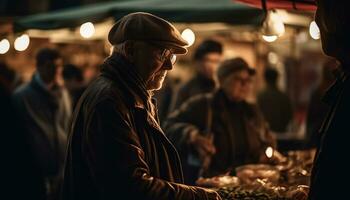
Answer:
(218, 181)
(286, 180)
(249, 173)
(239, 193)
(263, 193)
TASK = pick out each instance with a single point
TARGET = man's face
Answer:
(237, 86)
(209, 64)
(323, 21)
(149, 63)
(51, 72)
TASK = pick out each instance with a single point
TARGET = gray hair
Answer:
(119, 48)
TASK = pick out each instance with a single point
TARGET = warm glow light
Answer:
(4, 46)
(271, 38)
(278, 23)
(87, 30)
(189, 36)
(22, 42)
(269, 152)
(314, 31)
(273, 25)
(272, 57)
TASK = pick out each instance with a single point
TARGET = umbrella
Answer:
(308, 5)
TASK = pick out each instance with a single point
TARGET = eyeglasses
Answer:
(165, 55)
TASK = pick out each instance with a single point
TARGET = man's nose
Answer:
(167, 65)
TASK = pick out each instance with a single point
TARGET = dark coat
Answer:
(197, 85)
(317, 111)
(20, 175)
(240, 133)
(117, 149)
(46, 120)
(331, 166)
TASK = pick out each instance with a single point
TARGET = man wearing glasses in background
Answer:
(218, 131)
(116, 146)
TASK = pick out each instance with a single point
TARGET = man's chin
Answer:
(155, 86)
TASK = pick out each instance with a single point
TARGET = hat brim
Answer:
(176, 48)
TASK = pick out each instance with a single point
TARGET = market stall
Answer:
(282, 177)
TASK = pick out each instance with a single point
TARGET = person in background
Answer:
(275, 104)
(218, 131)
(164, 98)
(318, 109)
(45, 107)
(331, 165)
(74, 82)
(7, 77)
(207, 58)
(117, 149)
(21, 177)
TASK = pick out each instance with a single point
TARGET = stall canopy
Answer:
(283, 4)
(183, 11)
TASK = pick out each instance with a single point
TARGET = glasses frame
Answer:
(166, 54)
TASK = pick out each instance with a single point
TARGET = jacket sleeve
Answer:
(117, 160)
(267, 137)
(189, 118)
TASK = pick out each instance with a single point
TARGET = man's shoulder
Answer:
(191, 83)
(102, 93)
(200, 99)
(23, 91)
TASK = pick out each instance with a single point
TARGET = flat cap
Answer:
(147, 27)
(233, 65)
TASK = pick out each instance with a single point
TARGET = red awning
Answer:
(283, 4)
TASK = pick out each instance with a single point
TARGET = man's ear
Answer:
(129, 49)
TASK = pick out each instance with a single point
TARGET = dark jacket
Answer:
(197, 85)
(116, 147)
(276, 108)
(46, 118)
(20, 175)
(46, 115)
(331, 165)
(240, 133)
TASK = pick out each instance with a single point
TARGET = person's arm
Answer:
(267, 137)
(120, 164)
(186, 122)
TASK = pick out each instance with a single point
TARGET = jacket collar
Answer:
(332, 93)
(120, 70)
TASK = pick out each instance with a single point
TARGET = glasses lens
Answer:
(173, 58)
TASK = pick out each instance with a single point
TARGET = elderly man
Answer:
(221, 125)
(331, 166)
(116, 146)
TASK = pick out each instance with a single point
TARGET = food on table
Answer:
(249, 173)
(218, 181)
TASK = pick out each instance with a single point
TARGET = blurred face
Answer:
(51, 73)
(152, 63)
(209, 64)
(325, 21)
(320, 20)
(237, 86)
